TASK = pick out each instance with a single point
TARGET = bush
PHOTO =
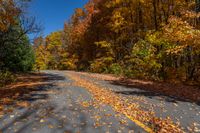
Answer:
(6, 77)
(143, 62)
(98, 67)
(68, 65)
(101, 65)
(115, 69)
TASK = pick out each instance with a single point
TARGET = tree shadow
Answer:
(168, 92)
(32, 118)
(48, 111)
(150, 95)
(28, 88)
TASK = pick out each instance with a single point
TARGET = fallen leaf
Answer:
(41, 121)
(50, 126)
(23, 104)
(12, 116)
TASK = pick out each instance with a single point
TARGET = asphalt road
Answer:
(61, 108)
(58, 108)
(182, 112)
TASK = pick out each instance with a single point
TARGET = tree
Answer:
(8, 13)
(153, 39)
(16, 52)
(16, 55)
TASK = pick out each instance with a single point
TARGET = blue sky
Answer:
(53, 13)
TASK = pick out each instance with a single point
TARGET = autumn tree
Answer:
(137, 38)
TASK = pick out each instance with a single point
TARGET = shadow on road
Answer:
(57, 114)
(169, 92)
(28, 88)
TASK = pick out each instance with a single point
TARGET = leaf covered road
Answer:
(78, 102)
(61, 107)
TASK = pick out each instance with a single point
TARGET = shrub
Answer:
(98, 67)
(143, 62)
(6, 77)
(67, 65)
(115, 69)
(101, 65)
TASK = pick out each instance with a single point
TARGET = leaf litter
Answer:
(124, 106)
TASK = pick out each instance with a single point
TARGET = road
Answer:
(71, 103)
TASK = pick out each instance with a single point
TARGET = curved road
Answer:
(61, 108)
(64, 107)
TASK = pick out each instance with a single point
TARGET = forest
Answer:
(147, 39)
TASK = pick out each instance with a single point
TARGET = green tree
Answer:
(16, 54)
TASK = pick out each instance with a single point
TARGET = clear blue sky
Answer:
(53, 13)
